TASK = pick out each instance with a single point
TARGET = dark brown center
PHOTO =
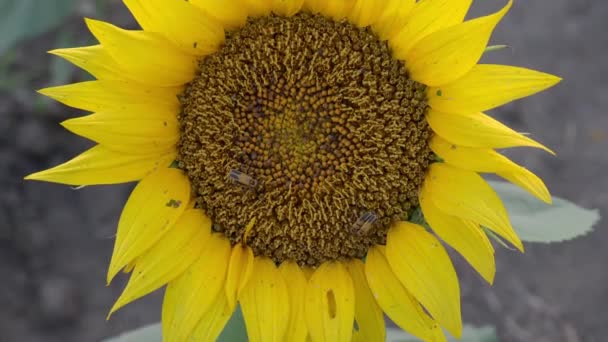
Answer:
(310, 127)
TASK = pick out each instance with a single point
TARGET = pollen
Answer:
(309, 127)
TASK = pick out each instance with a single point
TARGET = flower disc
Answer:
(312, 128)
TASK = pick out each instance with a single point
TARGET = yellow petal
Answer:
(185, 25)
(393, 18)
(258, 8)
(308, 272)
(464, 236)
(335, 9)
(116, 96)
(330, 304)
(477, 130)
(470, 158)
(239, 272)
(147, 56)
(94, 59)
(231, 14)
(465, 194)
(314, 6)
(170, 257)
(448, 54)
(366, 12)
(265, 303)
(488, 86)
(213, 321)
(528, 181)
(286, 8)
(368, 315)
(129, 268)
(488, 160)
(296, 286)
(338, 9)
(426, 17)
(141, 134)
(100, 165)
(423, 266)
(154, 206)
(248, 228)
(197, 294)
(396, 301)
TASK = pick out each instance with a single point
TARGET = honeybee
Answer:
(364, 223)
(242, 178)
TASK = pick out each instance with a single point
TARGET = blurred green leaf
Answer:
(469, 334)
(235, 330)
(21, 19)
(536, 221)
(150, 333)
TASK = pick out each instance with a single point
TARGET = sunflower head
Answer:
(337, 119)
(285, 152)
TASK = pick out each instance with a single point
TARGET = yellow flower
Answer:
(283, 149)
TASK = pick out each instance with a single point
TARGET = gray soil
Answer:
(55, 242)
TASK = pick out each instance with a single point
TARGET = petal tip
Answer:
(56, 52)
(490, 276)
(52, 93)
(69, 124)
(112, 272)
(38, 176)
(516, 241)
(91, 21)
(520, 246)
(96, 26)
(556, 79)
(551, 80)
(114, 308)
(44, 91)
(458, 333)
(548, 150)
(66, 124)
(454, 327)
(110, 314)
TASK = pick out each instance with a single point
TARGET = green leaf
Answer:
(536, 221)
(469, 334)
(235, 330)
(21, 19)
(150, 333)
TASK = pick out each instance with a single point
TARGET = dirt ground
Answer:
(55, 242)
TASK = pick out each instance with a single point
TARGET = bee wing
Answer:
(242, 178)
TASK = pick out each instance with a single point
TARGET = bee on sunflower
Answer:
(282, 150)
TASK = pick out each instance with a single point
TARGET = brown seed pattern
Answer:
(304, 124)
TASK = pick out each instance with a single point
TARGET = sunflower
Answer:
(286, 152)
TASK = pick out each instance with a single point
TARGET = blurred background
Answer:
(55, 241)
